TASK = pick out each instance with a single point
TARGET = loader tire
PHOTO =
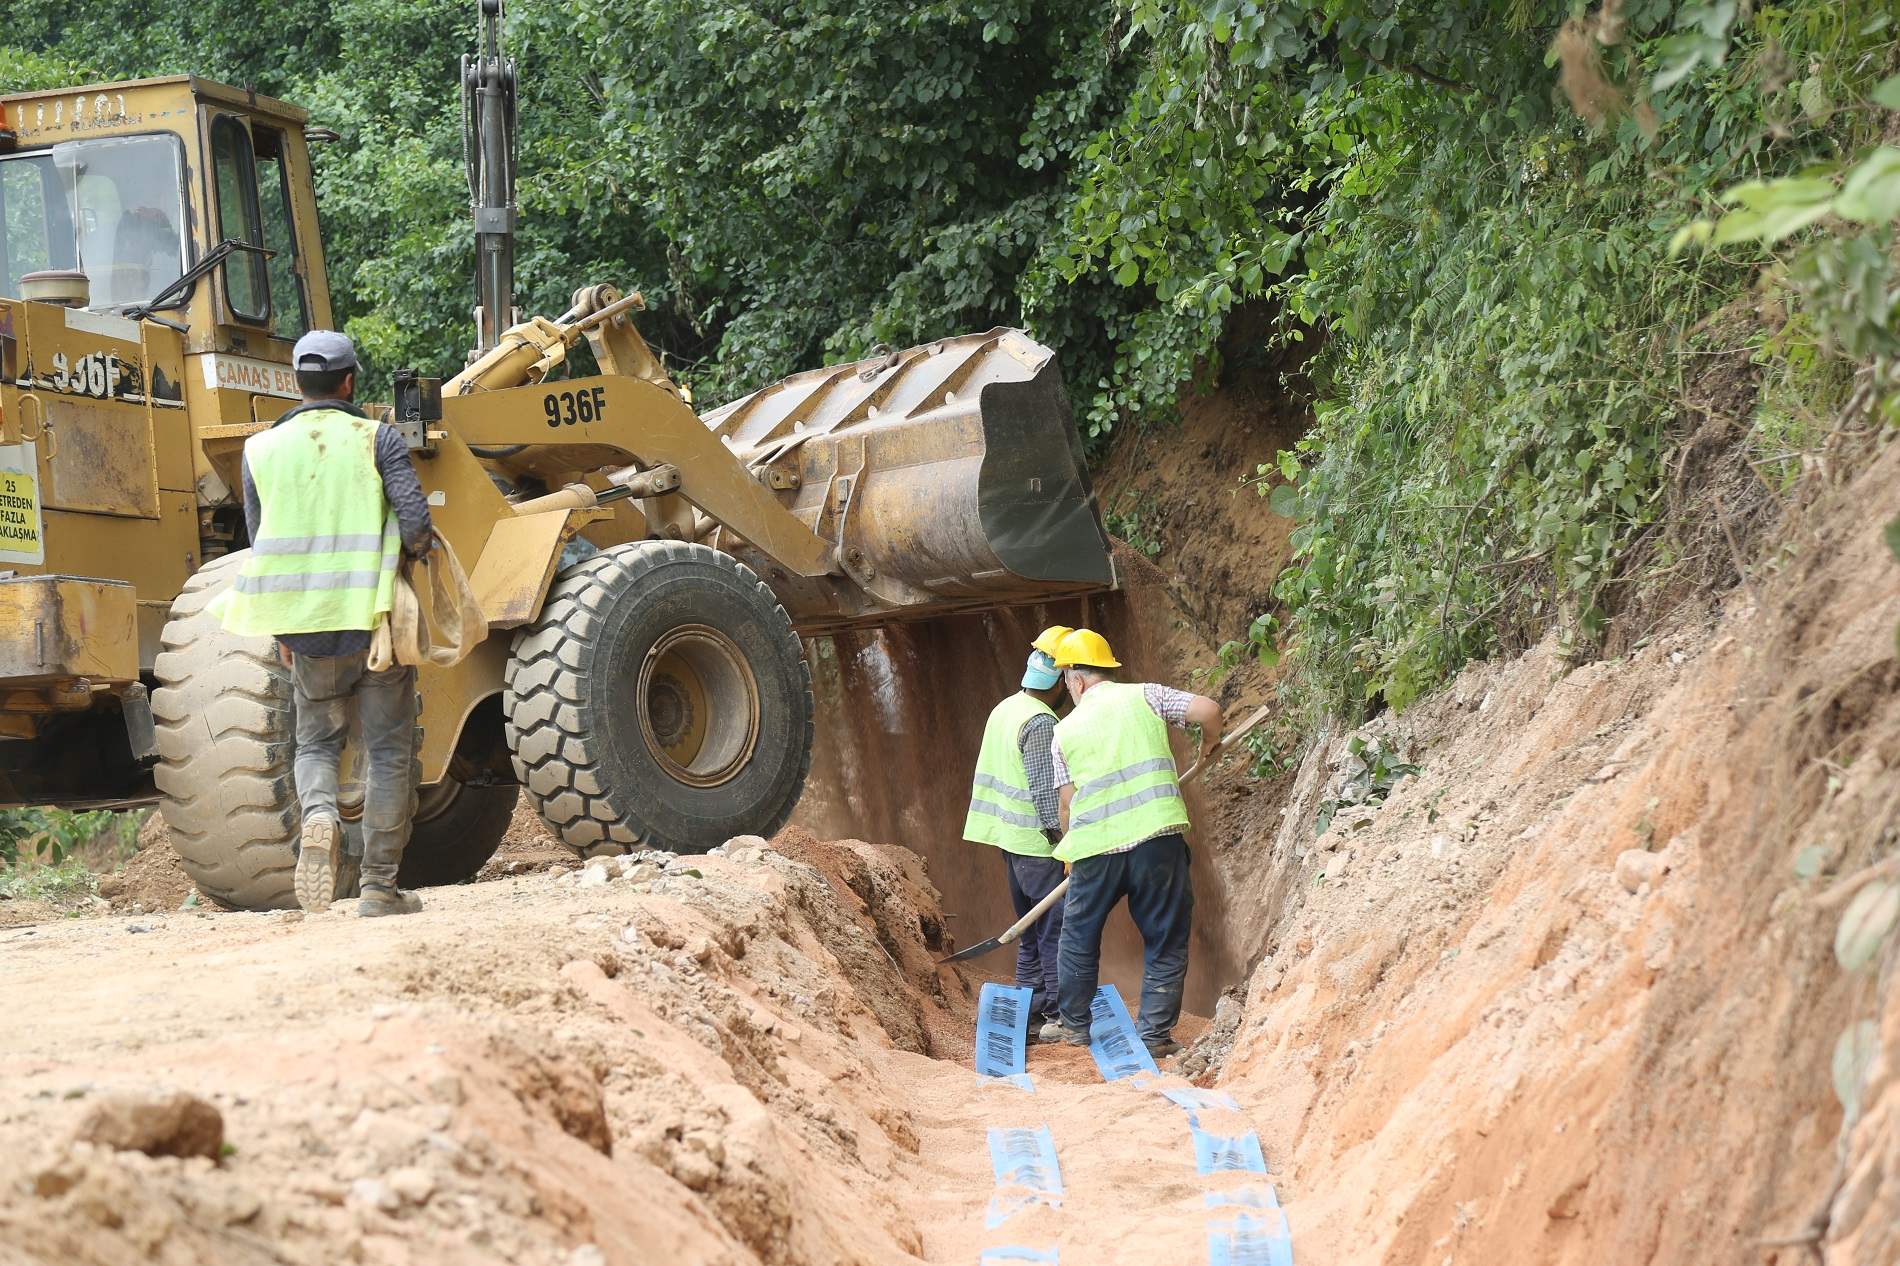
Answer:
(457, 829)
(225, 720)
(661, 700)
(223, 716)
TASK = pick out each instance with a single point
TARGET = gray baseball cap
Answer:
(324, 351)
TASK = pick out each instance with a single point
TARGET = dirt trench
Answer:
(901, 710)
(748, 1060)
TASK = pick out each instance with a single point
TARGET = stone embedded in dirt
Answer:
(595, 875)
(747, 850)
(174, 1124)
(412, 1183)
(374, 1193)
(694, 1170)
(1636, 867)
(57, 1178)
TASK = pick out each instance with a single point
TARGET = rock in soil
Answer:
(171, 1124)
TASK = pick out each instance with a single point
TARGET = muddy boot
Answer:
(1050, 1031)
(1161, 1048)
(378, 901)
(315, 881)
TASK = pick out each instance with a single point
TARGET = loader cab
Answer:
(134, 361)
(133, 184)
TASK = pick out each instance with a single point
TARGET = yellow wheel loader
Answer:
(647, 573)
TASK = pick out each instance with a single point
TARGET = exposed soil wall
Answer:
(1562, 997)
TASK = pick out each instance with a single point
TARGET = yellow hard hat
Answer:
(1051, 637)
(1085, 648)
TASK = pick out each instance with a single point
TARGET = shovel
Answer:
(1041, 908)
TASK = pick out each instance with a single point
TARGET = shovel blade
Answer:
(975, 951)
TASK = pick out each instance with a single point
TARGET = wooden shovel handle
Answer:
(1041, 908)
(1259, 715)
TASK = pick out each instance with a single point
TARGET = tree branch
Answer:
(1430, 77)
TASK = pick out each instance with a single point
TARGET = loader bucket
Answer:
(949, 474)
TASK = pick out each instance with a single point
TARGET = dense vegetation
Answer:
(1499, 225)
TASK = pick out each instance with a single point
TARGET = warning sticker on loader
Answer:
(22, 535)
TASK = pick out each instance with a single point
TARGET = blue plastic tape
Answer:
(1026, 1159)
(1250, 1241)
(1118, 1051)
(1002, 1208)
(1022, 1081)
(1002, 1027)
(1219, 1153)
(1201, 1100)
(1016, 1253)
(1248, 1197)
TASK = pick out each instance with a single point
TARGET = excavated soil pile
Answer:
(152, 878)
(677, 1070)
(1570, 994)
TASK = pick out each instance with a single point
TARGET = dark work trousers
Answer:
(1154, 877)
(1030, 880)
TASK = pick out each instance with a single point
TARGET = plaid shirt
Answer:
(404, 492)
(1036, 740)
(1169, 704)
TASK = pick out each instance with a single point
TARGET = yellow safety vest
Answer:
(327, 543)
(1002, 810)
(1119, 761)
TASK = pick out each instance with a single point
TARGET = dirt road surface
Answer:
(750, 1058)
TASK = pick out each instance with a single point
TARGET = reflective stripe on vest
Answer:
(1117, 752)
(327, 543)
(1002, 810)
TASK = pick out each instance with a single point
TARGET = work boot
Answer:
(1161, 1048)
(378, 901)
(315, 881)
(1051, 1030)
(1074, 1037)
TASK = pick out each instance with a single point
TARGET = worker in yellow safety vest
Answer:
(1013, 807)
(331, 501)
(1123, 822)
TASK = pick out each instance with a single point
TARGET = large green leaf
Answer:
(1871, 192)
(1773, 209)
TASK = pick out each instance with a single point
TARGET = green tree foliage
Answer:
(1465, 209)
(1506, 330)
(834, 175)
(785, 182)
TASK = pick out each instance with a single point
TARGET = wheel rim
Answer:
(698, 705)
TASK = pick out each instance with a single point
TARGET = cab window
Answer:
(24, 187)
(290, 312)
(246, 287)
(113, 207)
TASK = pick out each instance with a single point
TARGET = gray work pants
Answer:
(386, 708)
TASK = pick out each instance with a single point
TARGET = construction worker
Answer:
(1123, 823)
(330, 498)
(1013, 807)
